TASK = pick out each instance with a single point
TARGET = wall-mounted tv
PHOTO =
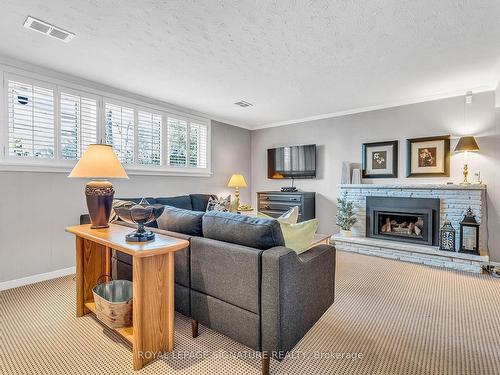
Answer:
(291, 162)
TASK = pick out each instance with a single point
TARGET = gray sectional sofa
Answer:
(238, 278)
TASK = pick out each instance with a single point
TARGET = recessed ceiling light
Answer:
(243, 104)
(48, 29)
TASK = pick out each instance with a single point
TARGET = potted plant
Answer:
(345, 215)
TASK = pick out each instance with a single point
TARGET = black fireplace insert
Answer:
(406, 219)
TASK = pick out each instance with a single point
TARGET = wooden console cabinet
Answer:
(152, 332)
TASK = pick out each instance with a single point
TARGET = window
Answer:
(149, 138)
(78, 125)
(187, 143)
(31, 120)
(177, 142)
(198, 140)
(119, 131)
(49, 123)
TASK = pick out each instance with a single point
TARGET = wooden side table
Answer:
(152, 332)
(319, 239)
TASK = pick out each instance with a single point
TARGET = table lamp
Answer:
(99, 162)
(237, 181)
(465, 145)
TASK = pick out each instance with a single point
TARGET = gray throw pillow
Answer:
(181, 221)
(219, 204)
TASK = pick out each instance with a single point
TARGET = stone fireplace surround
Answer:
(454, 201)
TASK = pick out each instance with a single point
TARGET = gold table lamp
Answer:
(465, 145)
(237, 181)
(99, 162)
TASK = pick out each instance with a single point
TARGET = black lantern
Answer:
(447, 239)
(469, 234)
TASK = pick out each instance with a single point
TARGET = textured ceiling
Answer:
(291, 59)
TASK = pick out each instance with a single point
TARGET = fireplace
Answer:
(414, 220)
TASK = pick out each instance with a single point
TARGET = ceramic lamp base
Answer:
(99, 194)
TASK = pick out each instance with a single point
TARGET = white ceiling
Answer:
(291, 59)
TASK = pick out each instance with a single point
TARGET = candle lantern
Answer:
(469, 234)
(447, 238)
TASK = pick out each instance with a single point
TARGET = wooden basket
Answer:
(113, 303)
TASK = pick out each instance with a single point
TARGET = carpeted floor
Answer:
(403, 318)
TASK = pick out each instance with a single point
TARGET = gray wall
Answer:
(36, 207)
(340, 139)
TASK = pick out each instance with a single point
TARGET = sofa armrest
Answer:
(296, 290)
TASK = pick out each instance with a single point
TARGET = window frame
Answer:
(57, 164)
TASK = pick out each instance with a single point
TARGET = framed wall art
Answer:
(428, 157)
(380, 159)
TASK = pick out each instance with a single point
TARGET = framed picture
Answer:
(380, 160)
(428, 157)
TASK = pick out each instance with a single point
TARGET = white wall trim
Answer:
(354, 111)
(36, 278)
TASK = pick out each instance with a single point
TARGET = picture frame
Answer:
(380, 159)
(428, 157)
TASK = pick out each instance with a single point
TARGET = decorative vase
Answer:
(346, 233)
(140, 214)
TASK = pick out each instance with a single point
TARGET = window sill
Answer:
(131, 171)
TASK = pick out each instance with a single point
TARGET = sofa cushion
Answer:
(243, 230)
(183, 201)
(199, 201)
(181, 221)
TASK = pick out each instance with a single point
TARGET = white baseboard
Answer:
(36, 278)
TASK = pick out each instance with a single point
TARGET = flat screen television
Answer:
(291, 162)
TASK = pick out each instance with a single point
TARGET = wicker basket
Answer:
(113, 303)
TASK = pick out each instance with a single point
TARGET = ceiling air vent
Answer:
(48, 29)
(243, 104)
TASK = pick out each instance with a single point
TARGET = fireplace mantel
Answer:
(414, 186)
(454, 202)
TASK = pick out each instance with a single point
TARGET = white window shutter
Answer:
(78, 125)
(119, 131)
(149, 138)
(177, 142)
(198, 140)
(31, 120)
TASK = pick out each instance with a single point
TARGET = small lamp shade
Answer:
(466, 144)
(99, 161)
(237, 181)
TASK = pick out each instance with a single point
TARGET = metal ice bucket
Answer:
(113, 302)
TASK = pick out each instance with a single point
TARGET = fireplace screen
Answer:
(405, 219)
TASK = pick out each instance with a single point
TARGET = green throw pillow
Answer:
(298, 237)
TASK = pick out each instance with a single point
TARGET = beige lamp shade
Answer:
(467, 144)
(237, 180)
(99, 161)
